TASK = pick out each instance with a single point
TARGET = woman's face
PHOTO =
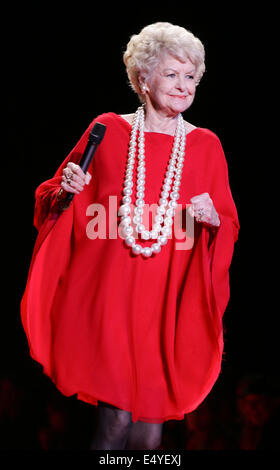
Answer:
(171, 88)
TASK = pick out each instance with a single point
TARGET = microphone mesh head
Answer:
(97, 133)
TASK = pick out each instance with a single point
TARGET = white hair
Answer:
(144, 50)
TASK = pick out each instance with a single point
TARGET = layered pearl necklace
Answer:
(165, 208)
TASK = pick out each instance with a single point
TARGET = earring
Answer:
(143, 89)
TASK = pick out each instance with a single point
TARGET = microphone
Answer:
(95, 137)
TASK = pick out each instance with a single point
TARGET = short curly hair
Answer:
(144, 50)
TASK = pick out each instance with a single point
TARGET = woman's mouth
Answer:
(180, 97)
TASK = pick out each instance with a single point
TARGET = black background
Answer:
(63, 66)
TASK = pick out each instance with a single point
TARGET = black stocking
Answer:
(116, 431)
(144, 436)
(112, 429)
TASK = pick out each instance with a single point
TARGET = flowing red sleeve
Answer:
(53, 248)
(222, 239)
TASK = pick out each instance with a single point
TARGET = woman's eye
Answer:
(173, 75)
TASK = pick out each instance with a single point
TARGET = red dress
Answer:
(143, 334)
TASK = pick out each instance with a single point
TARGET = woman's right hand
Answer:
(74, 179)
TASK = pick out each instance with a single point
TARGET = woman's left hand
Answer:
(203, 210)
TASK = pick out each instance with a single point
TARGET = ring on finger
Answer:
(69, 175)
(200, 214)
(67, 179)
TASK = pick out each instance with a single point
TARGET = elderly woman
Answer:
(130, 320)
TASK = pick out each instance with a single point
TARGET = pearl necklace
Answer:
(165, 209)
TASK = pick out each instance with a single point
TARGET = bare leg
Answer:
(144, 436)
(113, 426)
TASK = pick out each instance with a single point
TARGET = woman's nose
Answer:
(181, 85)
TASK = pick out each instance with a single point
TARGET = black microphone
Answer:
(95, 137)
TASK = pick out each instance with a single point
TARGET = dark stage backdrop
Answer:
(63, 67)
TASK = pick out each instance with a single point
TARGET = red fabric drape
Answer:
(145, 335)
